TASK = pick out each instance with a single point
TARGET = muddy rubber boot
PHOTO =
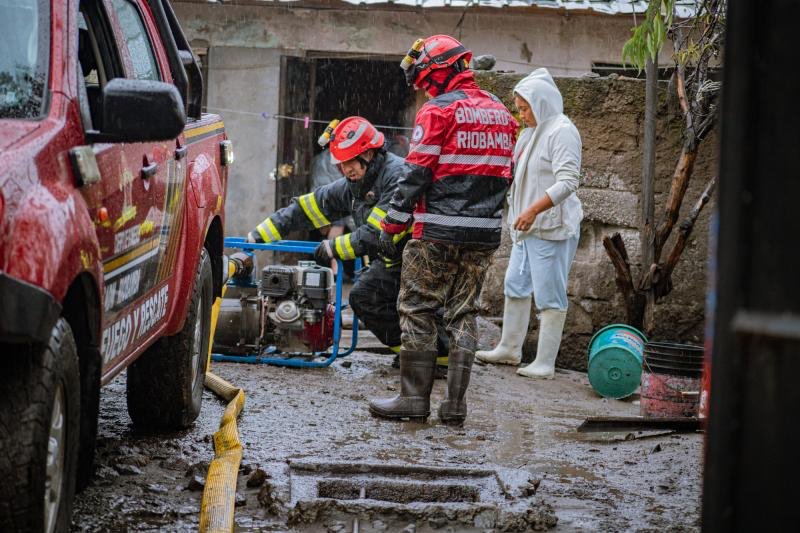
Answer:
(416, 382)
(453, 410)
(516, 314)
(551, 325)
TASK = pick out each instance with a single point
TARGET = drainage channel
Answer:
(355, 496)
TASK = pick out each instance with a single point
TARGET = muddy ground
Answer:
(592, 482)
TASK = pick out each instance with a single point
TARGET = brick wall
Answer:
(609, 113)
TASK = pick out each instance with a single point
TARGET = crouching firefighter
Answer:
(457, 173)
(370, 176)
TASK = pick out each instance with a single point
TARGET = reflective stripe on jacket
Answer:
(335, 201)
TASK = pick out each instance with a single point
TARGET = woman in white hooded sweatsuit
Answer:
(545, 216)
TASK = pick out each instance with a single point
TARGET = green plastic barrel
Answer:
(615, 360)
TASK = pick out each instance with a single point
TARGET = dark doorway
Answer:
(323, 88)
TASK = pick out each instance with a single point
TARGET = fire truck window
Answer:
(94, 75)
(137, 41)
(87, 57)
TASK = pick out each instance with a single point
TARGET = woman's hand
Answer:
(525, 220)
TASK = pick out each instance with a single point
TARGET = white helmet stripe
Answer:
(347, 143)
(376, 138)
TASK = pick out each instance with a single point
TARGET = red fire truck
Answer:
(112, 187)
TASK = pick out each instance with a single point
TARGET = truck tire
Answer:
(39, 426)
(165, 385)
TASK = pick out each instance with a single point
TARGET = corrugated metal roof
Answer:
(683, 8)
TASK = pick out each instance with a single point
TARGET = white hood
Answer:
(547, 161)
(547, 102)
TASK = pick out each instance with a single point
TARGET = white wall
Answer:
(242, 84)
(565, 42)
(245, 43)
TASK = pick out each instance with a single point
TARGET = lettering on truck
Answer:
(127, 239)
(134, 325)
(120, 291)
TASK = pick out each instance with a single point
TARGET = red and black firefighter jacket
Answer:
(458, 169)
(367, 201)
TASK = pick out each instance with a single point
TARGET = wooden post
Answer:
(647, 231)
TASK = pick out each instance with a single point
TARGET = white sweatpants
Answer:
(541, 267)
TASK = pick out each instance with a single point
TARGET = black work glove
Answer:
(323, 253)
(253, 237)
(387, 246)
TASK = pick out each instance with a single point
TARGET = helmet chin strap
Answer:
(441, 87)
(362, 186)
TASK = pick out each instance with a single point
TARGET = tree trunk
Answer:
(647, 233)
(680, 182)
(634, 299)
(663, 283)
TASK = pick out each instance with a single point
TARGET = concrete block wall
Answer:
(609, 113)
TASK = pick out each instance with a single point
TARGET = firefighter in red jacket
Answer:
(453, 189)
(369, 179)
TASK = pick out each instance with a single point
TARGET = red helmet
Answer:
(352, 137)
(439, 51)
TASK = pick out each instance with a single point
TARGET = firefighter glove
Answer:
(387, 246)
(252, 237)
(323, 253)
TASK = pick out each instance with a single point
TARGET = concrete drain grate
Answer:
(483, 498)
(395, 491)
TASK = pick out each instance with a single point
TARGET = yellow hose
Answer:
(215, 311)
(219, 495)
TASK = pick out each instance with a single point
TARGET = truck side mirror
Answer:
(141, 111)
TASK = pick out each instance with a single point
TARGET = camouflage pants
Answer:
(441, 276)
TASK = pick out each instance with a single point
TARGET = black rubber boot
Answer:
(416, 382)
(453, 410)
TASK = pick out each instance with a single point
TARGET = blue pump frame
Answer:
(296, 360)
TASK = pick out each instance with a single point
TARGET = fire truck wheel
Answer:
(39, 427)
(165, 385)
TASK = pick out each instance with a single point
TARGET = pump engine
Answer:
(288, 307)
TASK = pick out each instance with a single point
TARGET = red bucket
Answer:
(671, 380)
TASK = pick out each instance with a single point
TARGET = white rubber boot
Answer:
(516, 314)
(551, 326)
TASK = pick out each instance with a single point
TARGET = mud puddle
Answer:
(154, 483)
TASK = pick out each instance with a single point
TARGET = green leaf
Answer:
(660, 32)
(648, 37)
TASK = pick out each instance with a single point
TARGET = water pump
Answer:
(288, 307)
